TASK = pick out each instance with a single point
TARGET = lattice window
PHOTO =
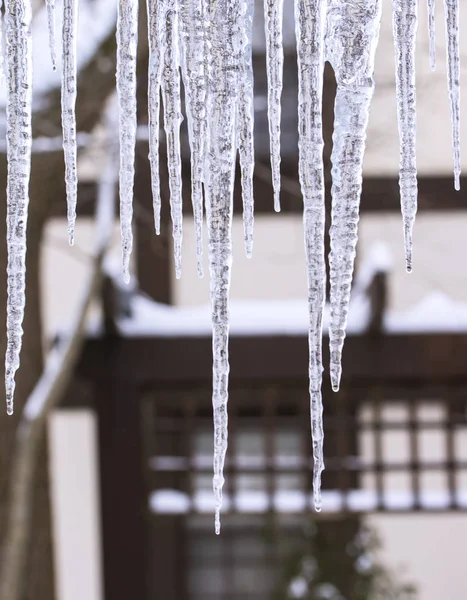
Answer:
(402, 450)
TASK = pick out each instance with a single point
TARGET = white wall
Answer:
(64, 269)
(277, 269)
(427, 550)
(75, 504)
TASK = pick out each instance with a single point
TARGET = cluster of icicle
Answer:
(209, 43)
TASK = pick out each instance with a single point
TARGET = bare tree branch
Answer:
(48, 392)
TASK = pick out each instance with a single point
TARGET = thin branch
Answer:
(47, 394)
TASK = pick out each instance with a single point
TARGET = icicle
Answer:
(310, 46)
(172, 121)
(2, 51)
(156, 53)
(245, 126)
(226, 51)
(352, 36)
(431, 33)
(18, 138)
(194, 80)
(127, 39)
(405, 30)
(69, 32)
(273, 16)
(451, 11)
(50, 4)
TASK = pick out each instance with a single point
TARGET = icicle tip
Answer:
(157, 222)
(408, 227)
(317, 499)
(408, 259)
(457, 181)
(217, 521)
(10, 387)
(336, 372)
(277, 202)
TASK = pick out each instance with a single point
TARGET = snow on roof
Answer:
(436, 313)
(288, 317)
(167, 501)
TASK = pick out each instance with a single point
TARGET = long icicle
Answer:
(352, 36)
(451, 11)
(405, 31)
(195, 82)
(69, 33)
(226, 51)
(245, 127)
(432, 33)
(310, 48)
(273, 16)
(18, 139)
(155, 9)
(172, 120)
(50, 6)
(2, 50)
(127, 39)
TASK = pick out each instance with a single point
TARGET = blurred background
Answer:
(121, 506)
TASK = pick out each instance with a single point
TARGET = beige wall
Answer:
(277, 269)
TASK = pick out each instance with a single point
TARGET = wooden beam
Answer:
(397, 358)
(379, 195)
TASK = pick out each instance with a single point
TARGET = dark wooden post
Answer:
(123, 493)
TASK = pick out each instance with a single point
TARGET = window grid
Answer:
(416, 461)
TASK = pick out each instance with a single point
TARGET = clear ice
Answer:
(227, 47)
(69, 31)
(310, 18)
(245, 124)
(451, 12)
(431, 33)
(192, 26)
(50, 5)
(172, 119)
(351, 40)
(127, 39)
(19, 139)
(405, 31)
(273, 16)
(155, 9)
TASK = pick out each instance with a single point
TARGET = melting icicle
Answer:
(70, 10)
(245, 126)
(227, 47)
(273, 16)
(352, 36)
(127, 39)
(431, 33)
(156, 39)
(2, 51)
(310, 47)
(405, 31)
(172, 121)
(451, 11)
(194, 80)
(50, 4)
(18, 138)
